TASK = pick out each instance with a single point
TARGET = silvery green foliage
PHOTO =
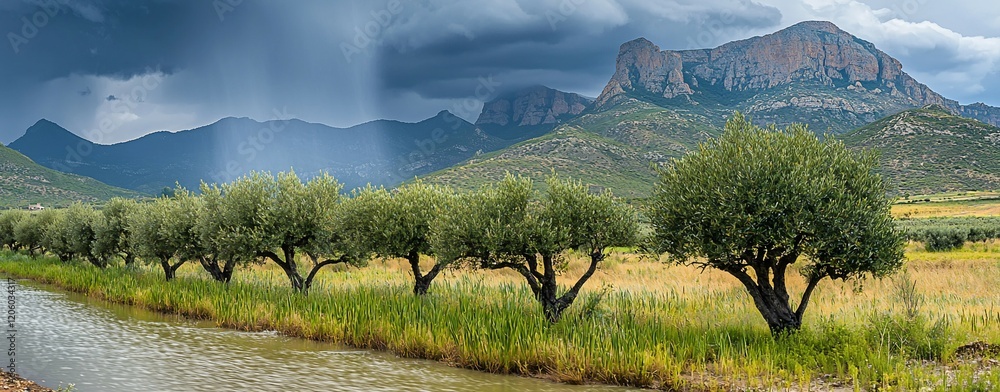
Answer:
(9, 220)
(755, 200)
(507, 226)
(397, 224)
(112, 231)
(72, 234)
(30, 231)
(260, 216)
(166, 229)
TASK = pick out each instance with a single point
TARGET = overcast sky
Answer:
(113, 70)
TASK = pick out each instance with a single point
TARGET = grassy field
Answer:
(640, 322)
(955, 204)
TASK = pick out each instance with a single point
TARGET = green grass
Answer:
(687, 331)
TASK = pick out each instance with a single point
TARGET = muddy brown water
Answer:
(65, 338)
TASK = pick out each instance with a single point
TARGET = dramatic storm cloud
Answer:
(113, 70)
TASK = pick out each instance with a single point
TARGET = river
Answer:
(64, 338)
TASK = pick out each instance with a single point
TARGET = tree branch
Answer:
(520, 268)
(178, 265)
(315, 269)
(533, 266)
(567, 299)
(274, 257)
(813, 281)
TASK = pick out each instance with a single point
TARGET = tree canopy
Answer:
(506, 226)
(755, 201)
(397, 224)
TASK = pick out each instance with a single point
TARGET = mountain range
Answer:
(658, 105)
(811, 72)
(381, 152)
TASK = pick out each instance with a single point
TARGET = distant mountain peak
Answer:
(45, 131)
(797, 53)
(532, 106)
(811, 69)
(816, 25)
(44, 122)
(640, 42)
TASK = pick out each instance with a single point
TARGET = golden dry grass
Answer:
(962, 286)
(931, 210)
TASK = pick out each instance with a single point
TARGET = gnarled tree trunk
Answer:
(770, 295)
(422, 282)
(290, 267)
(219, 273)
(170, 270)
(129, 259)
(544, 285)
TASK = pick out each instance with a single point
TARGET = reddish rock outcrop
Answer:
(536, 105)
(813, 52)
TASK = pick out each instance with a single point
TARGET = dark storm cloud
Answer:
(101, 37)
(575, 37)
(179, 64)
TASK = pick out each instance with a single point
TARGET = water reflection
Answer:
(66, 338)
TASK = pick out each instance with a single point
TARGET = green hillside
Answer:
(613, 148)
(930, 150)
(925, 150)
(24, 182)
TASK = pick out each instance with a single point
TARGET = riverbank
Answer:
(639, 323)
(13, 383)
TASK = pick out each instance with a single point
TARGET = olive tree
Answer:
(55, 237)
(71, 234)
(755, 201)
(9, 220)
(397, 224)
(112, 231)
(165, 229)
(76, 231)
(214, 248)
(281, 218)
(501, 227)
(30, 231)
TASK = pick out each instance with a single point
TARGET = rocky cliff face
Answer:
(834, 70)
(642, 66)
(980, 111)
(533, 106)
